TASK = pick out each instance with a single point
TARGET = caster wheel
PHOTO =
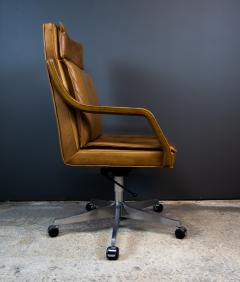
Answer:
(158, 208)
(53, 231)
(90, 206)
(180, 232)
(112, 253)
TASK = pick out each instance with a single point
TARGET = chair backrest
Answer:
(75, 128)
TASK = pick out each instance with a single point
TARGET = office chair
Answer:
(83, 143)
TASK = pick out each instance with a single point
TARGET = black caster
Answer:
(53, 231)
(158, 208)
(112, 253)
(90, 206)
(180, 232)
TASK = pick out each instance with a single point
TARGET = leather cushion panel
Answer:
(89, 125)
(65, 128)
(71, 114)
(70, 49)
(114, 157)
(50, 39)
(65, 116)
(126, 142)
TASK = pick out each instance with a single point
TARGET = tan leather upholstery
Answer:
(70, 49)
(66, 120)
(89, 125)
(71, 53)
(126, 142)
(78, 114)
(118, 158)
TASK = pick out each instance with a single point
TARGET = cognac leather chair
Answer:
(82, 142)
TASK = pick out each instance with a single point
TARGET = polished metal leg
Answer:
(143, 204)
(116, 223)
(100, 213)
(143, 215)
(118, 190)
(112, 251)
(118, 208)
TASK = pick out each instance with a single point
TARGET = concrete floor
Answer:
(210, 252)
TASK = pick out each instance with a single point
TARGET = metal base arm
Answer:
(118, 209)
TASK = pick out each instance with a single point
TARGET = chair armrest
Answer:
(167, 155)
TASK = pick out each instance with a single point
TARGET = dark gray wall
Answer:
(181, 59)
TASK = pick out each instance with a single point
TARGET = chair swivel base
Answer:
(117, 210)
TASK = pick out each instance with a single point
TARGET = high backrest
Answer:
(75, 128)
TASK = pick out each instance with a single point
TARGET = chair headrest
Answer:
(58, 45)
(70, 49)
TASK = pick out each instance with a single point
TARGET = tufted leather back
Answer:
(75, 128)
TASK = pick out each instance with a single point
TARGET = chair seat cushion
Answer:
(127, 142)
(117, 157)
(121, 151)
